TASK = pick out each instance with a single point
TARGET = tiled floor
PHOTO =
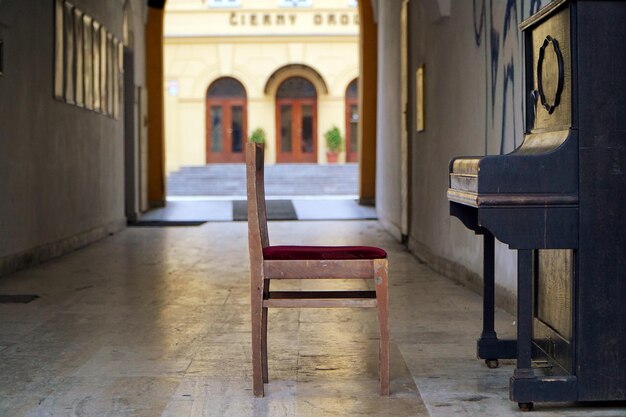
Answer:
(155, 322)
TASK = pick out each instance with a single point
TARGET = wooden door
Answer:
(226, 127)
(352, 121)
(352, 126)
(296, 127)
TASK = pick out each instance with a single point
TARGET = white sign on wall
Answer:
(224, 3)
(295, 3)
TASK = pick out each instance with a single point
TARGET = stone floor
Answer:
(155, 322)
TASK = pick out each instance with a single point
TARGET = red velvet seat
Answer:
(319, 253)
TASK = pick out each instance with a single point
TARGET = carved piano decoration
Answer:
(560, 201)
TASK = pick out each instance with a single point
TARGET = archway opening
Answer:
(294, 95)
(352, 121)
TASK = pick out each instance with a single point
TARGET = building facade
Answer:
(232, 67)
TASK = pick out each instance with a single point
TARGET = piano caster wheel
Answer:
(492, 363)
(525, 406)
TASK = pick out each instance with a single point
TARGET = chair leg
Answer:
(264, 344)
(382, 299)
(266, 290)
(256, 303)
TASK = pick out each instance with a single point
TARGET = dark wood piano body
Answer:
(560, 200)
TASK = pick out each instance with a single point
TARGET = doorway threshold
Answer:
(223, 209)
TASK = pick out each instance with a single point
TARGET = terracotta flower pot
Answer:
(331, 157)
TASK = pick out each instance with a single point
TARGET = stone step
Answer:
(280, 179)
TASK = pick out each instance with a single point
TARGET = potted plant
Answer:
(334, 144)
(258, 135)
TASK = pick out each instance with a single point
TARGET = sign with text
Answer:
(262, 22)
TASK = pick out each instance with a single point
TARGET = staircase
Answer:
(280, 179)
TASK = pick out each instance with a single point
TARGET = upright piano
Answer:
(559, 199)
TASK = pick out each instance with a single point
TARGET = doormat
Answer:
(276, 210)
(17, 299)
(166, 223)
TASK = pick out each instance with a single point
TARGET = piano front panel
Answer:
(551, 76)
(554, 289)
(550, 80)
(552, 332)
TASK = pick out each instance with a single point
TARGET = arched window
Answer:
(226, 114)
(296, 121)
(352, 121)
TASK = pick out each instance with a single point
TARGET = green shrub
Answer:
(334, 141)
(258, 135)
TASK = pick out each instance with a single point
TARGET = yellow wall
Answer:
(202, 45)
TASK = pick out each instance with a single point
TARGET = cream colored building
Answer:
(227, 61)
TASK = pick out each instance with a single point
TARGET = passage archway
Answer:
(352, 121)
(296, 121)
(226, 115)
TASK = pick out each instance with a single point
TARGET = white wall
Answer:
(473, 105)
(389, 113)
(61, 166)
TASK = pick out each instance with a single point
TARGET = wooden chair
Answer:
(305, 262)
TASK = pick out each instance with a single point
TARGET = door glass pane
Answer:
(307, 129)
(285, 128)
(296, 87)
(216, 128)
(226, 87)
(354, 125)
(236, 126)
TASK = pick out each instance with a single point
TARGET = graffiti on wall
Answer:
(496, 30)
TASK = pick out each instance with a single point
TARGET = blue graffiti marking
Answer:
(510, 19)
(509, 80)
(535, 5)
(504, 39)
(478, 25)
(511, 8)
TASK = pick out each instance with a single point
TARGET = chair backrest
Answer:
(257, 219)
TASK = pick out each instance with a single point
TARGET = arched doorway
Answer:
(352, 121)
(226, 115)
(296, 121)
